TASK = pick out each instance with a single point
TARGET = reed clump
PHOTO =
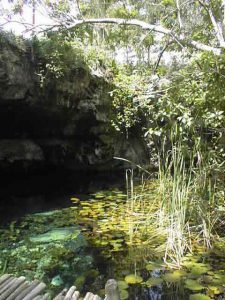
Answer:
(181, 209)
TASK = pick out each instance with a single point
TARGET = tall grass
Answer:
(180, 212)
(175, 181)
(187, 197)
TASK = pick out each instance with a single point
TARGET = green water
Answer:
(95, 240)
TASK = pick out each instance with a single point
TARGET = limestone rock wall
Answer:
(66, 125)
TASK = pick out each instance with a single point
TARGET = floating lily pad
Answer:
(181, 273)
(122, 285)
(218, 279)
(173, 277)
(75, 200)
(154, 281)
(215, 290)
(199, 297)
(99, 195)
(124, 295)
(193, 285)
(199, 269)
(153, 266)
(133, 279)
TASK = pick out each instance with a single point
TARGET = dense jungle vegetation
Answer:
(165, 62)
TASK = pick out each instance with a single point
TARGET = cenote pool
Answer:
(95, 237)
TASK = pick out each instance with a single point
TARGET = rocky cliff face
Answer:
(67, 125)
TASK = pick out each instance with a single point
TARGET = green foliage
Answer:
(194, 101)
(126, 113)
(128, 99)
(58, 56)
(64, 65)
(123, 12)
(168, 2)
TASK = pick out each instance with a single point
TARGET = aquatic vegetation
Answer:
(115, 223)
(54, 254)
(112, 222)
(122, 285)
(133, 279)
(124, 294)
(154, 266)
(199, 297)
(110, 233)
(173, 276)
(193, 285)
(215, 290)
(154, 281)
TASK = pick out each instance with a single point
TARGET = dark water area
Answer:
(21, 194)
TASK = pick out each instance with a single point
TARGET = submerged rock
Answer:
(57, 281)
(56, 235)
(20, 150)
(47, 213)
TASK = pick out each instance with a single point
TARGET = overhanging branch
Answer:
(183, 39)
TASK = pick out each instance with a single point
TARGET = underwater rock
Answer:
(56, 235)
(47, 213)
(57, 281)
(20, 150)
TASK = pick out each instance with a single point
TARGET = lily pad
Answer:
(122, 285)
(154, 281)
(199, 297)
(215, 290)
(124, 295)
(199, 269)
(153, 266)
(133, 279)
(75, 200)
(218, 279)
(193, 285)
(173, 277)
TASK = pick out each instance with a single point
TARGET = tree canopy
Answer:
(188, 24)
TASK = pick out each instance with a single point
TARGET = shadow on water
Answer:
(30, 193)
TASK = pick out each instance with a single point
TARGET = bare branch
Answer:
(161, 55)
(118, 21)
(182, 40)
(179, 14)
(216, 25)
